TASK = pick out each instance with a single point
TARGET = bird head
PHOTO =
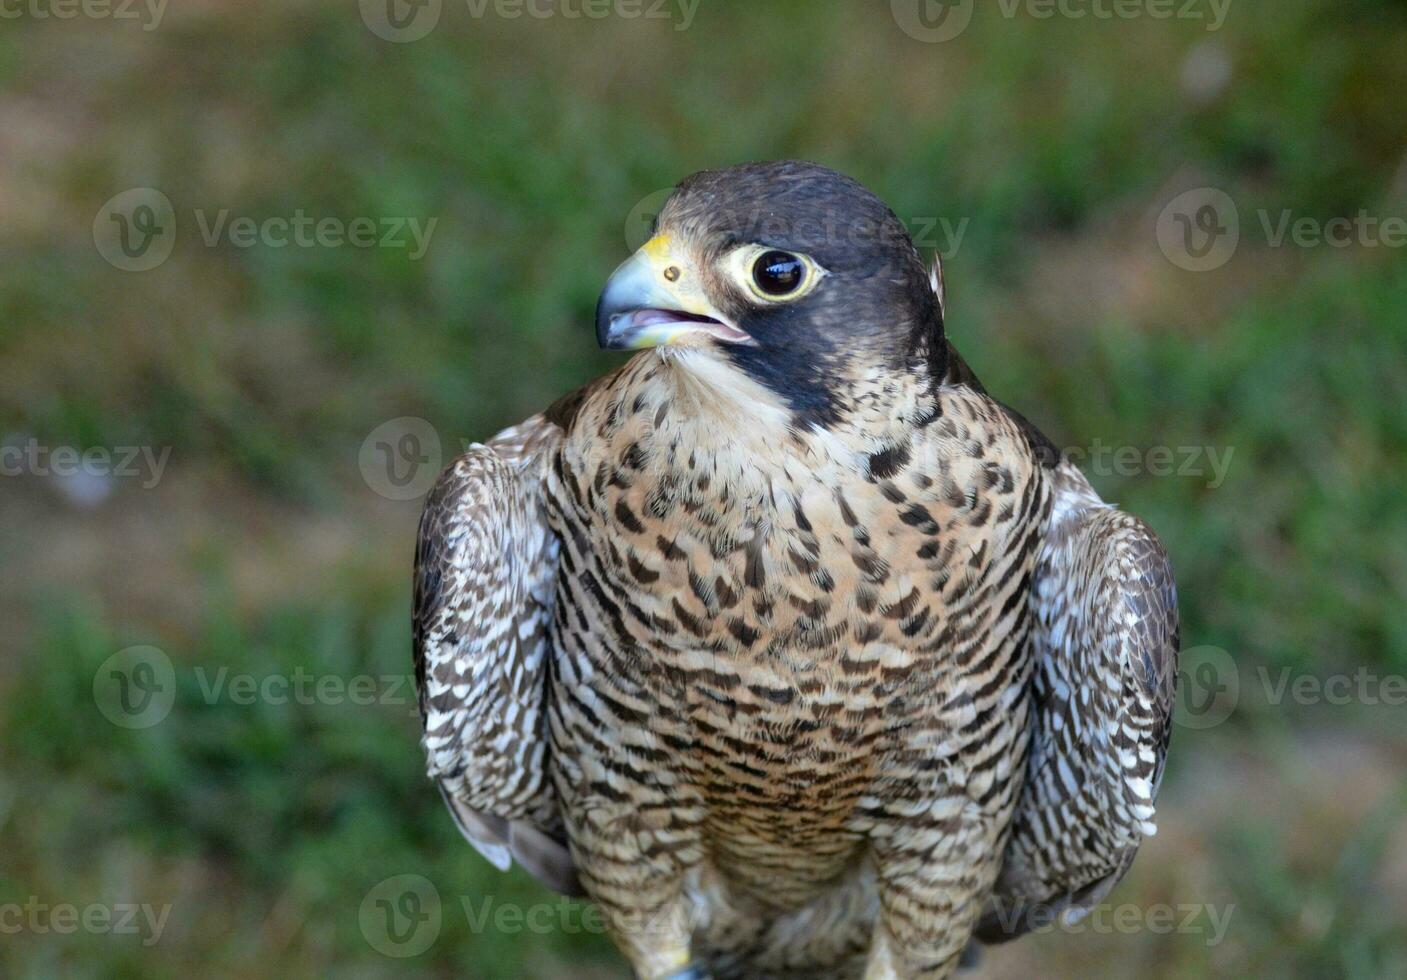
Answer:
(791, 273)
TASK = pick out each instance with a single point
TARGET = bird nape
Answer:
(786, 643)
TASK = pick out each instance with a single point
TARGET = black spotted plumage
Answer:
(786, 643)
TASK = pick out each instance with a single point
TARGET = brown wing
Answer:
(1105, 607)
(485, 564)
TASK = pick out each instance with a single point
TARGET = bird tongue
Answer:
(647, 318)
(716, 328)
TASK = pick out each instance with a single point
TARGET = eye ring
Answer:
(777, 275)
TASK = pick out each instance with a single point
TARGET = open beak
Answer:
(656, 299)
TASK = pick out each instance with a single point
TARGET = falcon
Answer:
(785, 643)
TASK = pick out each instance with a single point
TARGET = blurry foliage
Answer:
(294, 810)
(1318, 918)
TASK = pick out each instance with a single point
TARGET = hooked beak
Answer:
(656, 299)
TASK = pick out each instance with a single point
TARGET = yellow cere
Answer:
(657, 250)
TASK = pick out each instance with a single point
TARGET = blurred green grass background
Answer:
(1053, 144)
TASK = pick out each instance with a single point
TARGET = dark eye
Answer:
(778, 273)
